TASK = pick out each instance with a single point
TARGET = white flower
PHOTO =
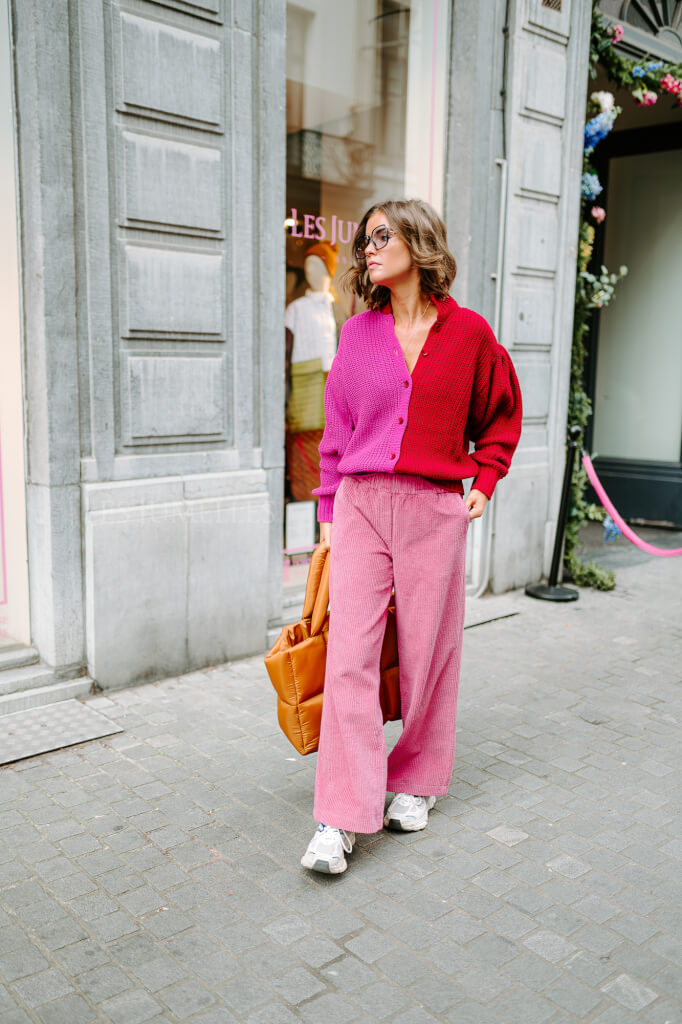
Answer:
(604, 99)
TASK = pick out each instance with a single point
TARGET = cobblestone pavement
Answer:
(154, 876)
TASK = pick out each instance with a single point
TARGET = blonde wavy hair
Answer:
(424, 233)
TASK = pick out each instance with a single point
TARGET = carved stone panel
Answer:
(212, 10)
(170, 73)
(537, 238)
(533, 322)
(171, 398)
(545, 82)
(172, 292)
(552, 19)
(171, 185)
(541, 167)
(534, 378)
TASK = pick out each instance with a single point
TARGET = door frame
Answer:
(643, 490)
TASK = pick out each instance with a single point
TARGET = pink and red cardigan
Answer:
(381, 419)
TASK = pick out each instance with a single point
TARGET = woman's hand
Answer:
(326, 533)
(475, 501)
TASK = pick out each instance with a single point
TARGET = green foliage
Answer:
(618, 68)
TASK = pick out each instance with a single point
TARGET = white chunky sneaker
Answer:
(408, 813)
(326, 850)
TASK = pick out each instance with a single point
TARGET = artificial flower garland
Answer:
(647, 80)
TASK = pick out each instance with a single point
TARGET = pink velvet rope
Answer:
(619, 521)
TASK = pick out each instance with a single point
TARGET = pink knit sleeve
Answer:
(495, 414)
(337, 432)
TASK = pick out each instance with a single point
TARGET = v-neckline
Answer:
(396, 339)
(442, 307)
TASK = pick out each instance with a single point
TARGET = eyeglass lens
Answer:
(378, 239)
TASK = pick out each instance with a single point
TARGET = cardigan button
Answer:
(400, 419)
(392, 455)
(406, 384)
(425, 353)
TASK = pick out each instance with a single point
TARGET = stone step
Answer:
(40, 695)
(28, 677)
(16, 656)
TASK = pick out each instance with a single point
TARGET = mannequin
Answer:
(311, 342)
(311, 318)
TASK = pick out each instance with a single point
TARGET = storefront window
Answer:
(366, 106)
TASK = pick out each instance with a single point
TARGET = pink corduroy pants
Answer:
(405, 533)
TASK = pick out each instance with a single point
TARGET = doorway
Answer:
(636, 385)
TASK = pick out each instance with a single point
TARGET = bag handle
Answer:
(315, 570)
(322, 600)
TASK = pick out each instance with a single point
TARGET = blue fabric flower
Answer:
(611, 531)
(653, 65)
(597, 128)
(638, 71)
(590, 186)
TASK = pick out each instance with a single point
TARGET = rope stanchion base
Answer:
(546, 592)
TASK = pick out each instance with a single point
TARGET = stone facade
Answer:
(151, 170)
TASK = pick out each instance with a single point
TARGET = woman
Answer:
(414, 379)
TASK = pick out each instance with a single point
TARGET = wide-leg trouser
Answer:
(390, 531)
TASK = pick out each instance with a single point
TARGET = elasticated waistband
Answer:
(406, 483)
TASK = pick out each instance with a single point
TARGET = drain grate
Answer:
(51, 727)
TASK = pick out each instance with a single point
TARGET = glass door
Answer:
(14, 614)
(366, 121)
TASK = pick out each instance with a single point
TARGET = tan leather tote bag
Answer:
(297, 661)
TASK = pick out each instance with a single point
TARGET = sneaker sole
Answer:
(395, 825)
(325, 867)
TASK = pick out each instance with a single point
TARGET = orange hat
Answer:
(329, 254)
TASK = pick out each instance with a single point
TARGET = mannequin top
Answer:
(311, 318)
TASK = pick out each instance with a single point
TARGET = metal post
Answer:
(551, 591)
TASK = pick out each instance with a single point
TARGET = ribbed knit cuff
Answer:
(486, 481)
(325, 508)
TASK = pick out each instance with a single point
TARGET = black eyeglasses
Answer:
(379, 238)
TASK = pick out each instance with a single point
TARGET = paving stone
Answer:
(521, 1007)
(43, 987)
(630, 992)
(67, 1010)
(533, 972)
(297, 984)
(331, 1007)
(103, 983)
(186, 998)
(669, 981)
(131, 1007)
(550, 946)
(21, 963)
(82, 956)
(370, 945)
(573, 996)
(316, 950)
(273, 1013)
(467, 1013)
(383, 1001)
(348, 974)
(113, 926)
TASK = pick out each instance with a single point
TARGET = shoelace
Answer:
(344, 837)
(406, 799)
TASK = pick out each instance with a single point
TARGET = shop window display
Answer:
(366, 100)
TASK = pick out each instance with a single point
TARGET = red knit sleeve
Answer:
(495, 413)
(338, 427)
